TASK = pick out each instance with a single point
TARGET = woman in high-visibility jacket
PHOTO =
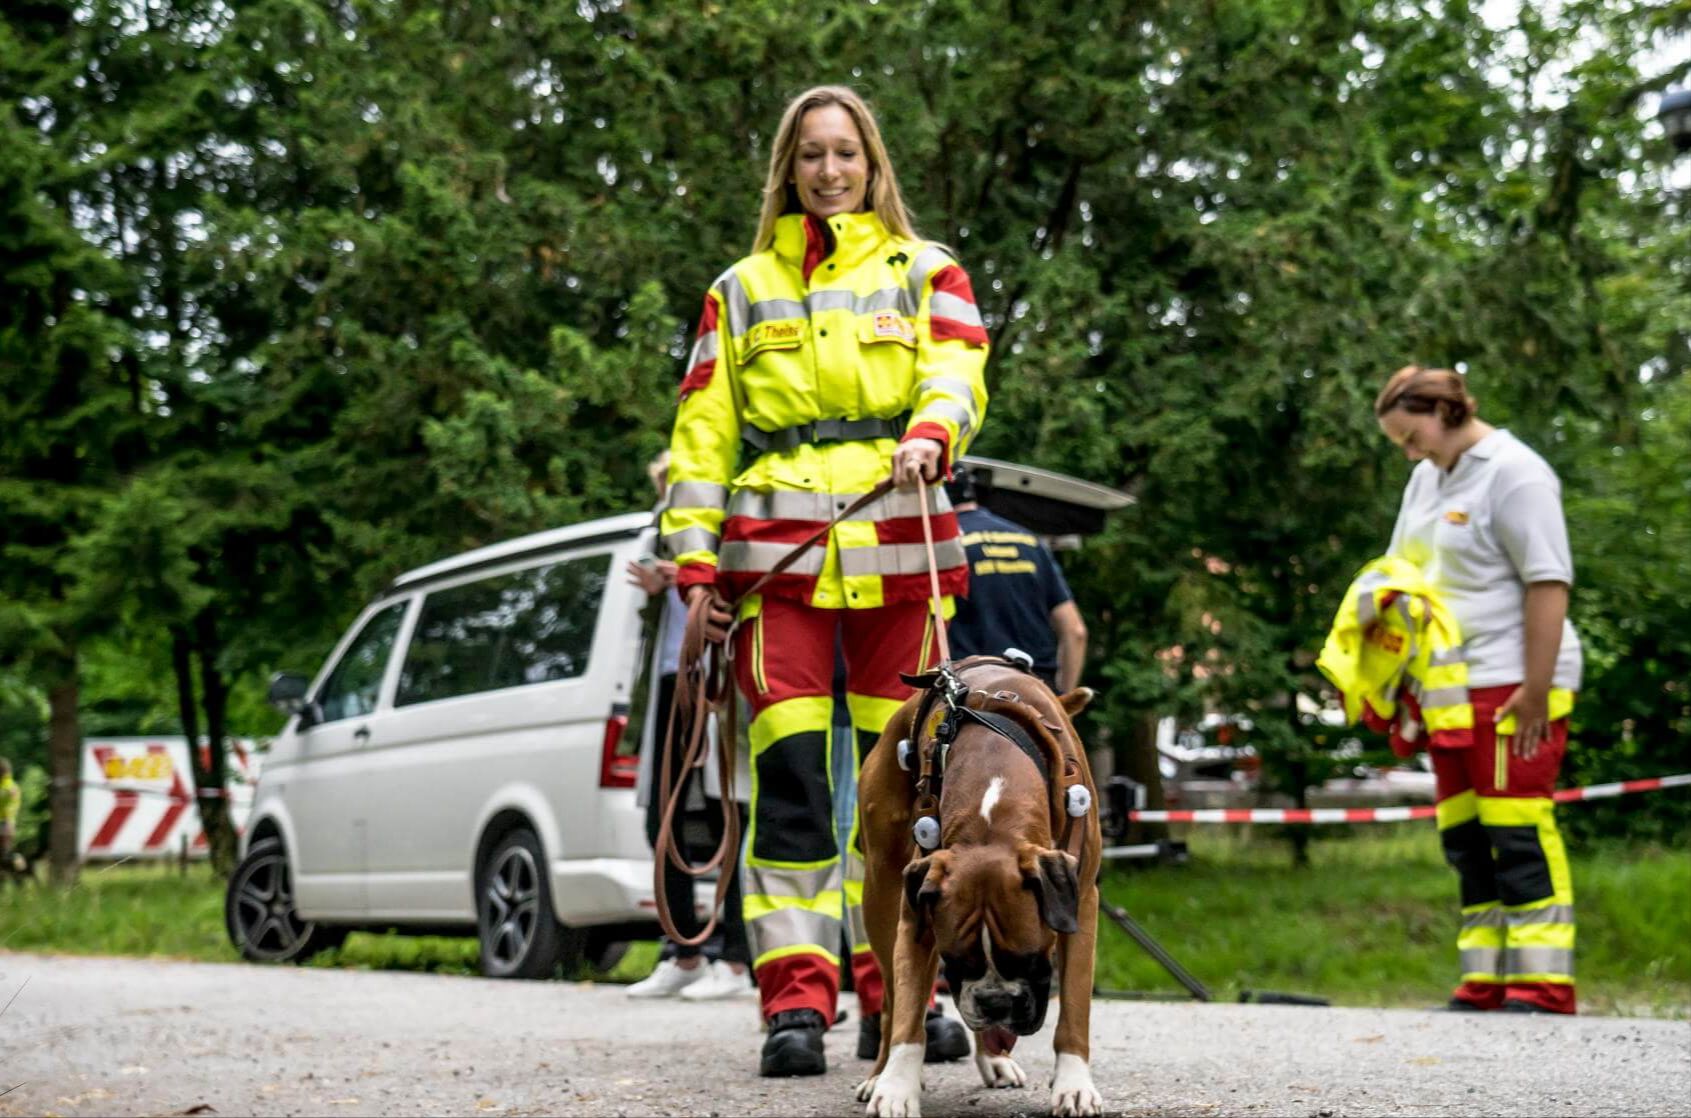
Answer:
(843, 350)
(1482, 518)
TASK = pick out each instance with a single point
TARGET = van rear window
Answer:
(512, 630)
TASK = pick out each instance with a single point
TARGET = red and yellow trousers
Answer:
(1497, 824)
(799, 893)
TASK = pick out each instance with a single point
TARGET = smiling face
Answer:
(831, 166)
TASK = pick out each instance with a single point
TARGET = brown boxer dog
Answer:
(998, 902)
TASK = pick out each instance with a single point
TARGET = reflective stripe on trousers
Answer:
(799, 895)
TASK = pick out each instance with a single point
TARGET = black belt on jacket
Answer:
(824, 431)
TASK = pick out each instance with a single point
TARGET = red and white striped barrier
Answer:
(138, 800)
(1387, 814)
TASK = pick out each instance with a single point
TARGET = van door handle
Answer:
(361, 735)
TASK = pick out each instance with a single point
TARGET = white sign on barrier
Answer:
(137, 798)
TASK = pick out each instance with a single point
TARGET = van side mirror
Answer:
(287, 692)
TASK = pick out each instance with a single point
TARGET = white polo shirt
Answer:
(1480, 534)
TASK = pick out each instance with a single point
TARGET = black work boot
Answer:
(946, 1039)
(794, 1045)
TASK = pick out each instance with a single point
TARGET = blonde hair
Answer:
(1419, 390)
(884, 199)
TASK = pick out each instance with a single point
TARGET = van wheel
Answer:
(258, 910)
(520, 938)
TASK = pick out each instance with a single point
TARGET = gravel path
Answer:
(125, 1036)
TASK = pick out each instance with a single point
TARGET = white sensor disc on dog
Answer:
(904, 754)
(927, 832)
(1080, 800)
(1019, 658)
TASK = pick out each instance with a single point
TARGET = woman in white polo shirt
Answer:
(1482, 518)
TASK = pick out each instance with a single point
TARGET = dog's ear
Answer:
(923, 880)
(1076, 701)
(1054, 878)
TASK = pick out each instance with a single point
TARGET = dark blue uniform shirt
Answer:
(1014, 584)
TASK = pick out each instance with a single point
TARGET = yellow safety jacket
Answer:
(1392, 636)
(1395, 641)
(815, 358)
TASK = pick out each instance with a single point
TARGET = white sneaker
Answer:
(668, 980)
(720, 984)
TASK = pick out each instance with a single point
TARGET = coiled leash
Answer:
(709, 689)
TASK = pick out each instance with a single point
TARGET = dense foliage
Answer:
(296, 294)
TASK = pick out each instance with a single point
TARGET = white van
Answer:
(463, 761)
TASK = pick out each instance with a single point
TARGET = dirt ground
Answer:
(88, 1036)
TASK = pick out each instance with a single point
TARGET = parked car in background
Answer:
(1211, 764)
(460, 763)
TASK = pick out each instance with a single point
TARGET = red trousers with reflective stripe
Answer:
(784, 666)
(1493, 772)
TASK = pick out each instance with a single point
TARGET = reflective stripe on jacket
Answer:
(839, 320)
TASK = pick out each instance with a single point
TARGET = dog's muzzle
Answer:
(986, 1000)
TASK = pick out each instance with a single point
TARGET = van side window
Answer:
(511, 630)
(352, 687)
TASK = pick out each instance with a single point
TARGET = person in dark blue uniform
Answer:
(1017, 597)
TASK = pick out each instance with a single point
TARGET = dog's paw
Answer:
(866, 1089)
(999, 1071)
(893, 1101)
(897, 1091)
(1072, 1091)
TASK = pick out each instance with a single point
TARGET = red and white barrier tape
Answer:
(1386, 814)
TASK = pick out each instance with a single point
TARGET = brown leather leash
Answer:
(710, 690)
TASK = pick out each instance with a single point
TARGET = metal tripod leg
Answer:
(1131, 926)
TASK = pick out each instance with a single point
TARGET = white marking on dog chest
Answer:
(990, 800)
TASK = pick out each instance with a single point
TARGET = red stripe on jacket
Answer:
(908, 529)
(954, 281)
(699, 375)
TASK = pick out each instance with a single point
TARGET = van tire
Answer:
(259, 915)
(520, 938)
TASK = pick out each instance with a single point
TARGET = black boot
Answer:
(794, 1045)
(946, 1039)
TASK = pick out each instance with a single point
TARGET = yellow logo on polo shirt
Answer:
(1456, 516)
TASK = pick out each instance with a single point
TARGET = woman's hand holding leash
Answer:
(718, 619)
(917, 460)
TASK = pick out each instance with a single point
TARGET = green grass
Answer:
(1371, 922)
(155, 910)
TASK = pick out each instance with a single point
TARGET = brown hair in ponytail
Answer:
(1419, 390)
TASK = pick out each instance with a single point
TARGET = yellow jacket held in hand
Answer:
(1393, 638)
(1395, 643)
(814, 359)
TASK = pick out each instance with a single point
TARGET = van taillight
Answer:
(617, 770)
